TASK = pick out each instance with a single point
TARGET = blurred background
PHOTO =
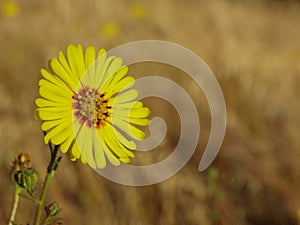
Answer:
(252, 47)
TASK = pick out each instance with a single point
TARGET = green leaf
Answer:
(28, 197)
(52, 209)
(52, 220)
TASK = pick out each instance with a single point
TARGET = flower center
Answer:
(91, 107)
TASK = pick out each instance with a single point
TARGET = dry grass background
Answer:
(253, 48)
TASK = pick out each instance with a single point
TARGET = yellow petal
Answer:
(63, 74)
(82, 160)
(62, 91)
(114, 66)
(130, 144)
(125, 160)
(41, 102)
(76, 60)
(142, 112)
(66, 145)
(111, 157)
(101, 52)
(47, 125)
(101, 68)
(114, 144)
(132, 131)
(75, 152)
(139, 121)
(52, 78)
(88, 78)
(139, 112)
(99, 152)
(55, 84)
(85, 141)
(127, 105)
(93, 76)
(59, 138)
(51, 115)
(124, 97)
(90, 55)
(55, 95)
(125, 83)
(55, 109)
(117, 76)
(56, 131)
(62, 59)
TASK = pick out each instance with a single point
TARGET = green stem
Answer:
(17, 191)
(43, 197)
(50, 173)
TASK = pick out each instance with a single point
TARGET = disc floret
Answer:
(91, 107)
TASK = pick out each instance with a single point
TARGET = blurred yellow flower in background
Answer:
(138, 11)
(109, 30)
(10, 9)
(87, 107)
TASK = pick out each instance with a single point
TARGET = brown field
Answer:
(253, 48)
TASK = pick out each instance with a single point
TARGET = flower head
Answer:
(10, 9)
(88, 108)
(22, 160)
(109, 30)
(138, 11)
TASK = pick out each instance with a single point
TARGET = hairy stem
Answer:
(43, 197)
(50, 173)
(17, 191)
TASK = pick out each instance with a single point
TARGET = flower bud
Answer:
(21, 161)
(26, 178)
(52, 209)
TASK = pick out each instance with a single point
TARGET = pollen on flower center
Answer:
(91, 107)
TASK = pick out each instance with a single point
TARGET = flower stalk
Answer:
(50, 173)
(17, 191)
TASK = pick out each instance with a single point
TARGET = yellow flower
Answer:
(109, 30)
(88, 108)
(10, 9)
(138, 11)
